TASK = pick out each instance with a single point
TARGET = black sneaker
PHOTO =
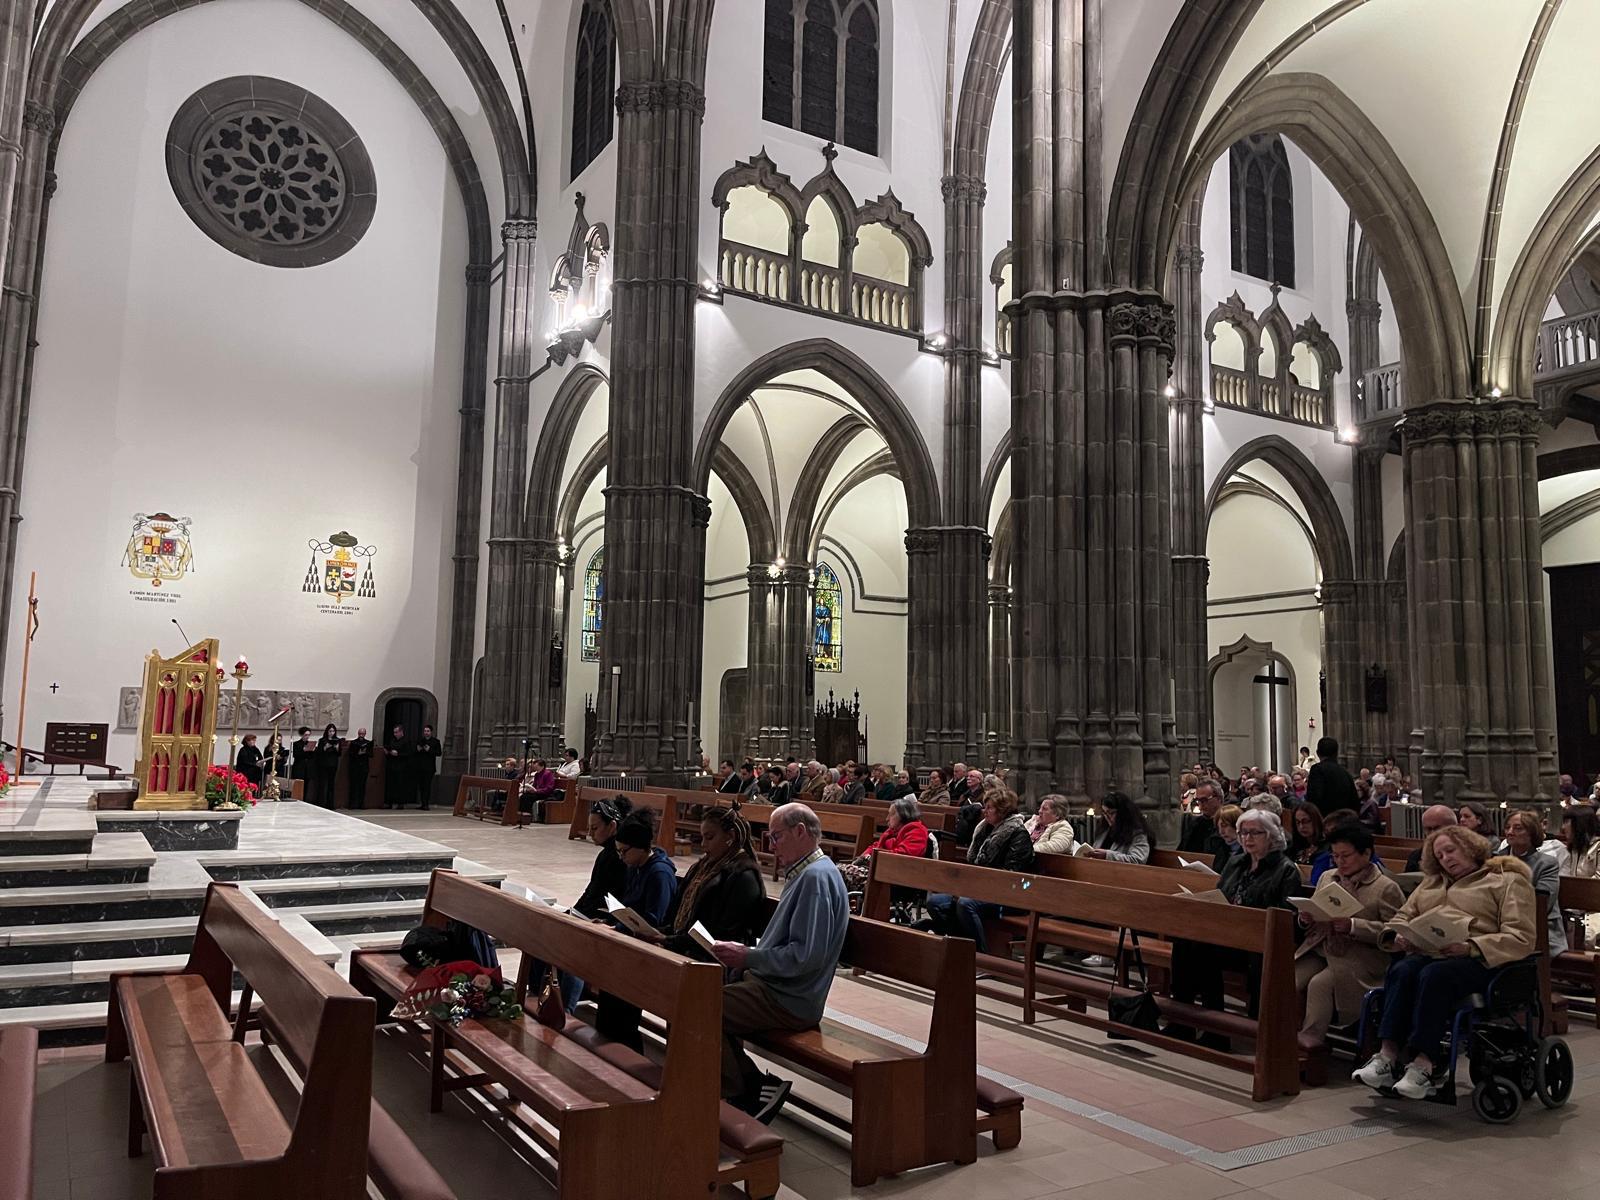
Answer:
(773, 1096)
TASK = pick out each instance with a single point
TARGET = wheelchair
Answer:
(1498, 1031)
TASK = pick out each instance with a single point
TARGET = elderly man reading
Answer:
(787, 974)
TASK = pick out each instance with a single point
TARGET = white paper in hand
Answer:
(1432, 932)
(1213, 896)
(702, 938)
(1195, 866)
(625, 916)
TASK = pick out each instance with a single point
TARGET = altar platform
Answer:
(86, 892)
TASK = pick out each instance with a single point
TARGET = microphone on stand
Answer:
(185, 636)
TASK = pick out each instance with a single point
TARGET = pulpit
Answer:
(177, 727)
(837, 732)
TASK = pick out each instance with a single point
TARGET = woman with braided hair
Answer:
(723, 891)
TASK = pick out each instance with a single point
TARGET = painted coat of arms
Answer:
(336, 568)
(159, 548)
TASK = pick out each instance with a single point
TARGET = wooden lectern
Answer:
(177, 727)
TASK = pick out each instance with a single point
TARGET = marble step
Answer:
(362, 889)
(246, 868)
(27, 833)
(114, 858)
(334, 920)
(69, 941)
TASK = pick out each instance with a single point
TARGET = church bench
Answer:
(845, 834)
(1274, 1065)
(213, 1125)
(910, 1108)
(472, 798)
(586, 1105)
(19, 1069)
(1577, 970)
(665, 808)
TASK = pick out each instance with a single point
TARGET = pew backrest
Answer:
(1138, 876)
(855, 826)
(665, 808)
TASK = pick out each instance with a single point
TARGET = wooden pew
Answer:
(1275, 1064)
(1577, 971)
(665, 808)
(19, 1068)
(214, 1126)
(845, 835)
(909, 1108)
(616, 1135)
(472, 798)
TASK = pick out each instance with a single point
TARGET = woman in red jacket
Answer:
(905, 834)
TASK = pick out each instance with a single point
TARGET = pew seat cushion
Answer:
(545, 1068)
(996, 1097)
(740, 1132)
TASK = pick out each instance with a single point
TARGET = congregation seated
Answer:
(1308, 839)
(1475, 818)
(1001, 841)
(1525, 842)
(1580, 843)
(1228, 832)
(1260, 877)
(1050, 830)
(571, 765)
(722, 891)
(937, 791)
(905, 833)
(1421, 993)
(783, 980)
(1127, 834)
(1202, 837)
(541, 787)
(1340, 961)
(608, 876)
(1323, 862)
(1434, 818)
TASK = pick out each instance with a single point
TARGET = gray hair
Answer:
(1057, 803)
(1268, 820)
(907, 808)
(791, 815)
(1265, 802)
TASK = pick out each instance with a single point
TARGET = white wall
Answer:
(271, 406)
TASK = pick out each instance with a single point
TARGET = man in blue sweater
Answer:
(788, 973)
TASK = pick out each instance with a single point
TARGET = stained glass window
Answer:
(594, 596)
(827, 649)
(593, 84)
(1262, 209)
(820, 69)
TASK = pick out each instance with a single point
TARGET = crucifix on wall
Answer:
(1272, 680)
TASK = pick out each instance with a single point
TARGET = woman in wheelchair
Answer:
(1422, 992)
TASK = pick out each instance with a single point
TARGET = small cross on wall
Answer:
(55, 687)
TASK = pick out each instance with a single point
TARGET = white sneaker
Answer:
(1379, 1073)
(1097, 960)
(1415, 1084)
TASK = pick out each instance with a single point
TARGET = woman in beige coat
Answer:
(1340, 961)
(1050, 830)
(1421, 992)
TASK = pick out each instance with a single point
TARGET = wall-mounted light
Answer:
(1349, 435)
(1170, 392)
(1494, 393)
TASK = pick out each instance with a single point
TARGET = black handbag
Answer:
(1140, 1010)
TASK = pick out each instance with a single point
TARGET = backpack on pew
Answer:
(1139, 1011)
(429, 945)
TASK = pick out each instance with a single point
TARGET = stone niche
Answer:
(315, 709)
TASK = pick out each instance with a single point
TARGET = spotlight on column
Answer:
(1350, 435)
(1170, 392)
(1494, 393)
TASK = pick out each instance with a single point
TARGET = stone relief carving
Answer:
(315, 709)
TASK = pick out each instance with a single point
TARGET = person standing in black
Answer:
(325, 766)
(360, 768)
(425, 764)
(248, 760)
(305, 751)
(396, 768)
(1328, 785)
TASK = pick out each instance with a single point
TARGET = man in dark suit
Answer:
(1201, 838)
(360, 768)
(1329, 785)
(425, 764)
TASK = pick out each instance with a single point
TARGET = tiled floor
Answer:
(1104, 1121)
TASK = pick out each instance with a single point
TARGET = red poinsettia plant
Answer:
(452, 992)
(5, 780)
(243, 793)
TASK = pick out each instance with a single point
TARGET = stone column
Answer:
(998, 736)
(1340, 662)
(1478, 617)
(540, 582)
(945, 645)
(16, 47)
(1191, 569)
(655, 536)
(779, 657)
(1371, 739)
(505, 650)
(1091, 476)
(30, 202)
(1397, 612)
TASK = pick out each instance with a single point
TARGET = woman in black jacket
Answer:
(1262, 877)
(609, 875)
(1001, 841)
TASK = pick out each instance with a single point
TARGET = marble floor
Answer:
(1104, 1121)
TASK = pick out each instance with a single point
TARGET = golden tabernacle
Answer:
(177, 727)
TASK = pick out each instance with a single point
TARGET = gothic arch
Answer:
(797, 533)
(1332, 540)
(1237, 313)
(980, 89)
(1396, 572)
(887, 211)
(1369, 176)
(827, 184)
(760, 171)
(883, 407)
(1005, 538)
(881, 463)
(555, 443)
(991, 473)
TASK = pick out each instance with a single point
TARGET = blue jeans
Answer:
(962, 917)
(1420, 999)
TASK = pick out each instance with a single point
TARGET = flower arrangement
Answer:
(5, 780)
(244, 794)
(452, 992)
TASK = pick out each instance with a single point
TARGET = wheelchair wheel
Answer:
(1552, 1072)
(1496, 1100)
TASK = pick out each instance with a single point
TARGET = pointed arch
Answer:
(555, 443)
(1327, 523)
(878, 400)
(797, 534)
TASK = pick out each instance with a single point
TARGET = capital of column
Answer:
(543, 551)
(1189, 257)
(1472, 420)
(764, 574)
(1149, 321)
(519, 229)
(39, 118)
(479, 274)
(658, 95)
(1338, 592)
(931, 539)
(964, 187)
(999, 595)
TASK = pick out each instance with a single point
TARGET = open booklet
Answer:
(1203, 868)
(1213, 896)
(626, 917)
(1329, 902)
(1433, 931)
(701, 936)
